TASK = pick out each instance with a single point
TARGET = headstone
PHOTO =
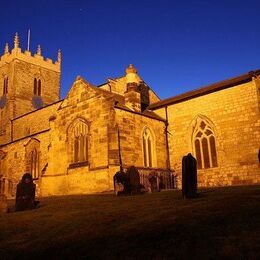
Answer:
(3, 204)
(133, 184)
(119, 182)
(153, 182)
(25, 193)
(189, 176)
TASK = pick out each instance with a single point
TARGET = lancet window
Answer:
(148, 148)
(34, 163)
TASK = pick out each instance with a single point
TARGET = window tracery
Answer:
(78, 134)
(205, 145)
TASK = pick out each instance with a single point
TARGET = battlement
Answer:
(27, 56)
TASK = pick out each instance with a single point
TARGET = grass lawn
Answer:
(222, 222)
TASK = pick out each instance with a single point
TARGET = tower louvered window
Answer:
(5, 86)
(37, 87)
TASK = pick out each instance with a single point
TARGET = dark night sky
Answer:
(175, 45)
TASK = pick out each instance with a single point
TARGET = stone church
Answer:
(75, 145)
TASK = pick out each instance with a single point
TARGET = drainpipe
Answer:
(11, 132)
(168, 163)
(167, 140)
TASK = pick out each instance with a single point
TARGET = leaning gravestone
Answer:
(3, 204)
(189, 176)
(25, 193)
(133, 184)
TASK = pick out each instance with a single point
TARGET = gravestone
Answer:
(153, 182)
(133, 184)
(25, 194)
(130, 181)
(3, 204)
(119, 182)
(189, 176)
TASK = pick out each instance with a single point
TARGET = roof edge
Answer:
(224, 84)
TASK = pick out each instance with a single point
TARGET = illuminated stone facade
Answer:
(71, 146)
(220, 125)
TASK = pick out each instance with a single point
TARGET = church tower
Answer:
(27, 82)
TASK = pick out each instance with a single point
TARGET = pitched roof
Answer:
(228, 83)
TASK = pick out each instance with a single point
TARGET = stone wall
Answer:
(21, 68)
(15, 160)
(91, 105)
(234, 113)
(35, 122)
(131, 129)
(24, 74)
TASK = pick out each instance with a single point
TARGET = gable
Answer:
(80, 90)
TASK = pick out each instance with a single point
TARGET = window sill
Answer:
(210, 168)
(78, 164)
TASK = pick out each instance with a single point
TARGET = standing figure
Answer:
(25, 194)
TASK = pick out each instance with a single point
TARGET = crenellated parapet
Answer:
(27, 56)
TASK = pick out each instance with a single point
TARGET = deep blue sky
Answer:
(175, 45)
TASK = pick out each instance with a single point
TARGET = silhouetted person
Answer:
(189, 176)
(25, 193)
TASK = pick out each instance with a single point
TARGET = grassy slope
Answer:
(223, 222)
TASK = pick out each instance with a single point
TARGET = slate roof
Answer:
(228, 83)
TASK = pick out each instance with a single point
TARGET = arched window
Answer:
(78, 134)
(32, 157)
(205, 145)
(37, 87)
(5, 87)
(34, 163)
(148, 148)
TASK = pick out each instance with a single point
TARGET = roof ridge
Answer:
(207, 89)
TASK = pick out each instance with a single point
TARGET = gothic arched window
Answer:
(148, 148)
(205, 146)
(37, 87)
(5, 87)
(34, 163)
(78, 134)
(32, 154)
